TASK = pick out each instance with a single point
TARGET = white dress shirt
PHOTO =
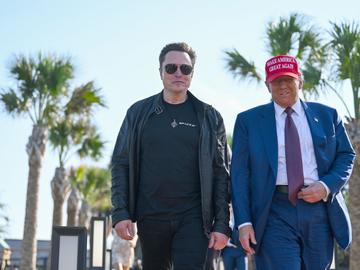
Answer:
(306, 144)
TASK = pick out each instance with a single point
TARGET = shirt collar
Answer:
(297, 107)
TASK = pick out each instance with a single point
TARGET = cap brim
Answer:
(275, 76)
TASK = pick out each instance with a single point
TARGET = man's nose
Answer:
(282, 83)
(178, 72)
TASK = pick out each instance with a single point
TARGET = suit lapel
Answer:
(317, 133)
(269, 135)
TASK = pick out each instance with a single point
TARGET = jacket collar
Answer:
(200, 107)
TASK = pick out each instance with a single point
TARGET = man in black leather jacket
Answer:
(170, 171)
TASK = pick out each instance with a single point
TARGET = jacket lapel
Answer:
(269, 135)
(315, 125)
(317, 133)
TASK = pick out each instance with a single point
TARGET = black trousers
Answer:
(178, 243)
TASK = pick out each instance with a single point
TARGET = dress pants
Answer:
(234, 258)
(179, 243)
(296, 237)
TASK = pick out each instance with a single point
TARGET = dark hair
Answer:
(180, 47)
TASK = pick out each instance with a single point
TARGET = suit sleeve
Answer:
(221, 181)
(240, 173)
(120, 174)
(341, 167)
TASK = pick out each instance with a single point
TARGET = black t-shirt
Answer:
(169, 166)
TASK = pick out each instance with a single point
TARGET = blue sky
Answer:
(116, 43)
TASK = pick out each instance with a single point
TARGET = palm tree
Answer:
(94, 185)
(74, 133)
(345, 41)
(41, 82)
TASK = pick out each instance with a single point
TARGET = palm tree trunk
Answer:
(73, 207)
(60, 189)
(35, 150)
(353, 128)
(85, 215)
(354, 208)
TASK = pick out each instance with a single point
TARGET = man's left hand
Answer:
(313, 193)
(218, 240)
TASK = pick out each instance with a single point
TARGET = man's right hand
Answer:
(125, 229)
(247, 234)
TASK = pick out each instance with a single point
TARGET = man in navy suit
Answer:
(290, 161)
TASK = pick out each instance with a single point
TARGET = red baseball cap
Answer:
(281, 65)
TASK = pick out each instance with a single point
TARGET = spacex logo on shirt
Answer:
(186, 124)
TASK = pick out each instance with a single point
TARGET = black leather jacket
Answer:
(213, 163)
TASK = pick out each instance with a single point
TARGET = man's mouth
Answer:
(285, 94)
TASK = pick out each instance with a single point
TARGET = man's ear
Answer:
(160, 71)
(301, 83)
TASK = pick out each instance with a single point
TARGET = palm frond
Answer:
(313, 83)
(79, 130)
(344, 36)
(345, 43)
(345, 40)
(77, 175)
(309, 43)
(23, 70)
(84, 99)
(294, 36)
(281, 35)
(41, 83)
(54, 74)
(60, 133)
(94, 185)
(13, 103)
(240, 67)
(99, 180)
(355, 65)
(92, 146)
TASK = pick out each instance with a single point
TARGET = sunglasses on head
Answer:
(172, 68)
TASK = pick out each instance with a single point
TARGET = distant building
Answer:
(43, 249)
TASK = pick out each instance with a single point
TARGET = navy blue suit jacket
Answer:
(255, 160)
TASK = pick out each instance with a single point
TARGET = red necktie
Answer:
(294, 166)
